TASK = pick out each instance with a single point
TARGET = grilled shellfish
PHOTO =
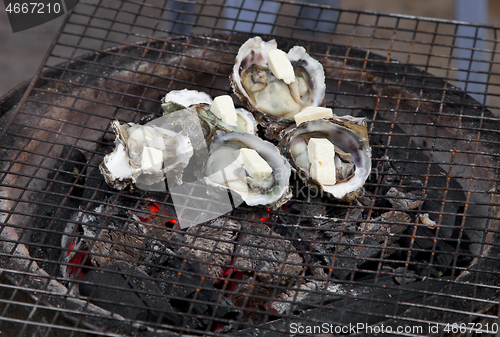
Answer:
(352, 154)
(273, 101)
(201, 102)
(263, 180)
(144, 155)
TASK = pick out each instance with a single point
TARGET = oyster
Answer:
(145, 154)
(201, 103)
(273, 101)
(183, 99)
(262, 184)
(245, 120)
(352, 153)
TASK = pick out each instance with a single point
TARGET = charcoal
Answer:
(290, 213)
(215, 242)
(336, 229)
(245, 291)
(423, 240)
(161, 242)
(346, 251)
(347, 261)
(384, 229)
(403, 201)
(130, 295)
(267, 253)
(117, 243)
(403, 275)
(252, 214)
(303, 239)
(311, 211)
(299, 293)
(183, 281)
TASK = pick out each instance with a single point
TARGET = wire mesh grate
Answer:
(417, 251)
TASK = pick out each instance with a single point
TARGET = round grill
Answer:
(415, 254)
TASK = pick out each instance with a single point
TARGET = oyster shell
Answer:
(145, 154)
(246, 121)
(352, 153)
(274, 102)
(183, 99)
(201, 103)
(223, 168)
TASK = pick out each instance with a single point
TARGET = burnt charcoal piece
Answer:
(348, 260)
(215, 240)
(402, 275)
(296, 212)
(127, 291)
(191, 292)
(403, 201)
(303, 239)
(269, 254)
(385, 228)
(340, 245)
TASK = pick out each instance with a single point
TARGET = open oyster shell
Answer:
(201, 103)
(273, 102)
(246, 121)
(145, 155)
(221, 168)
(352, 153)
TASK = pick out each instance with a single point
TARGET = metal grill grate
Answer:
(254, 271)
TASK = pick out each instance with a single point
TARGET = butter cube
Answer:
(280, 66)
(311, 113)
(321, 155)
(254, 164)
(152, 159)
(223, 108)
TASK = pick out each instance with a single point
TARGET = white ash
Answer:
(426, 220)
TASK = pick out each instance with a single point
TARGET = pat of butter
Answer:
(152, 159)
(223, 108)
(311, 113)
(280, 66)
(321, 153)
(254, 164)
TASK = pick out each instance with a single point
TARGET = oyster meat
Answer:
(249, 166)
(201, 102)
(273, 101)
(145, 154)
(352, 154)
